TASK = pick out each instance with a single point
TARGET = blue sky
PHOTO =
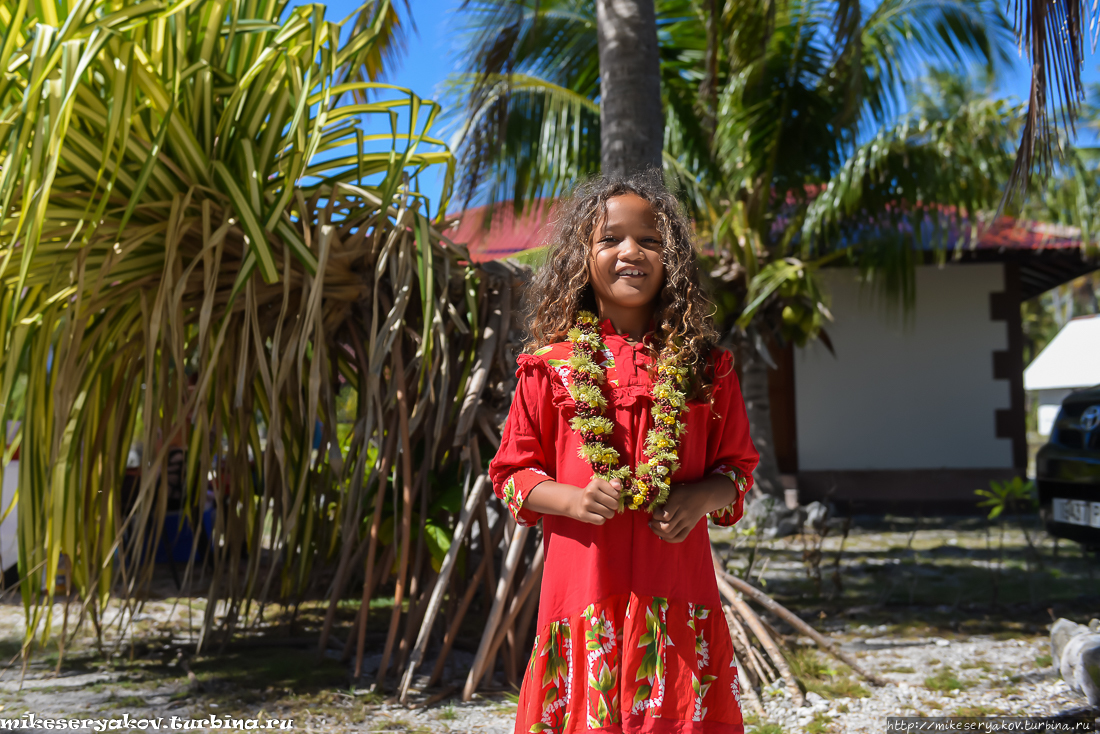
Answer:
(430, 57)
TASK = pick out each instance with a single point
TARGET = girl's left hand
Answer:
(677, 517)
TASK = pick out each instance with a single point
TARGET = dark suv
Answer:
(1067, 470)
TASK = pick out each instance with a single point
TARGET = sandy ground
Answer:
(913, 602)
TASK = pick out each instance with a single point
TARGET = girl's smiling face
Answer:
(625, 266)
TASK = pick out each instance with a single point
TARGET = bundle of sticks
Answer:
(763, 663)
(511, 608)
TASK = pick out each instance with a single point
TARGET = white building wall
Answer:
(905, 392)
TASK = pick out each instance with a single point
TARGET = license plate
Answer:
(1077, 512)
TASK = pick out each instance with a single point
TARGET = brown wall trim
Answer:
(1008, 364)
(882, 486)
(784, 420)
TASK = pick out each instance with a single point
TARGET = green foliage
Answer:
(210, 231)
(792, 286)
(820, 724)
(1013, 495)
(784, 138)
(821, 677)
(841, 686)
(806, 663)
(767, 728)
(978, 712)
(438, 541)
(945, 680)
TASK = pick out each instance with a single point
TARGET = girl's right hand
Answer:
(597, 502)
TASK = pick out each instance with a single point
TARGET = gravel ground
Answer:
(912, 603)
(975, 676)
(982, 677)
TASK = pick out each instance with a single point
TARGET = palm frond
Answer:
(527, 66)
(528, 138)
(1051, 33)
(204, 242)
(921, 167)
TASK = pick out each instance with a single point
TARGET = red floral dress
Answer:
(631, 637)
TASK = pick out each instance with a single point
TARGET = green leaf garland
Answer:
(648, 487)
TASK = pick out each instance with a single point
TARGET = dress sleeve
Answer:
(729, 449)
(527, 453)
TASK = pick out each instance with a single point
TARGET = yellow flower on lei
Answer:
(661, 449)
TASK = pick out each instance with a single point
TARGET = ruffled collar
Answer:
(608, 329)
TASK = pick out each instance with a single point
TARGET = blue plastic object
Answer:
(176, 539)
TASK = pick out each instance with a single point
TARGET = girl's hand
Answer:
(687, 504)
(679, 515)
(597, 502)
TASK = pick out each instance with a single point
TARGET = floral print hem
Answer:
(636, 665)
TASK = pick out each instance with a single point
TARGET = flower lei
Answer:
(648, 488)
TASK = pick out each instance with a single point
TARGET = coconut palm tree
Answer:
(764, 103)
(630, 86)
(212, 237)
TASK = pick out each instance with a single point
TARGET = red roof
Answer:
(1013, 234)
(509, 234)
(506, 235)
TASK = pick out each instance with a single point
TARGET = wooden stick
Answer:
(479, 375)
(771, 648)
(506, 573)
(435, 697)
(775, 634)
(522, 625)
(747, 689)
(534, 576)
(456, 622)
(489, 542)
(380, 576)
(747, 664)
(757, 627)
(406, 510)
(441, 584)
(339, 583)
(415, 618)
(508, 646)
(417, 609)
(743, 648)
(795, 621)
(736, 629)
(489, 547)
(754, 700)
(484, 569)
(369, 574)
(762, 665)
(766, 673)
(508, 653)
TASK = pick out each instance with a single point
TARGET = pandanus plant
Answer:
(210, 229)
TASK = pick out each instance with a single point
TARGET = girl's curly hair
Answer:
(561, 287)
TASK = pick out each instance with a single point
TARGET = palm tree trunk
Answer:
(754, 387)
(631, 122)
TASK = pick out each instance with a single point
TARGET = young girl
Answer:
(627, 431)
